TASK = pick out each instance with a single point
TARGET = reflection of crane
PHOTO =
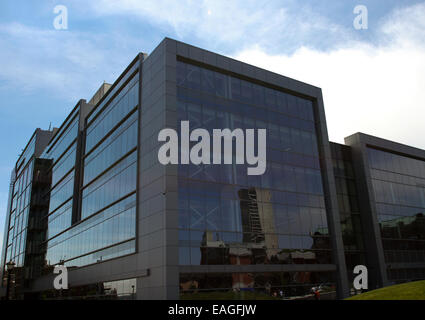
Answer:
(251, 218)
(258, 220)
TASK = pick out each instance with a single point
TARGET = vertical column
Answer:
(333, 216)
(372, 235)
(157, 236)
(84, 109)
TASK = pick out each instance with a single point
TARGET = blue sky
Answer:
(373, 80)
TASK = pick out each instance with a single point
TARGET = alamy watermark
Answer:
(361, 280)
(61, 280)
(200, 153)
(361, 20)
(60, 22)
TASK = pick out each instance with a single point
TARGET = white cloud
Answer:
(375, 89)
(71, 64)
(186, 16)
(230, 23)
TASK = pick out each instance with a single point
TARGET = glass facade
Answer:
(19, 213)
(37, 223)
(106, 223)
(399, 188)
(62, 152)
(349, 209)
(5, 243)
(29, 176)
(252, 286)
(20, 205)
(229, 218)
(112, 226)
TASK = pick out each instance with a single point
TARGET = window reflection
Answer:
(399, 188)
(108, 210)
(265, 285)
(227, 217)
(114, 225)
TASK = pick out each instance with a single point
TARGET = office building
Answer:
(23, 234)
(128, 227)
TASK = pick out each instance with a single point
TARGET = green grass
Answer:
(405, 291)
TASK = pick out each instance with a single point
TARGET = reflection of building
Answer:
(258, 224)
(258, 221)
(114, 213)
(213, 251)
(259, 243)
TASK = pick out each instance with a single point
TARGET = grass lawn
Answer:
(405, 291)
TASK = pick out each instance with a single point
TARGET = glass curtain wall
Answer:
(20, 206)
(61, 151)
(399, 187)
(229, 218)
(106, 228)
